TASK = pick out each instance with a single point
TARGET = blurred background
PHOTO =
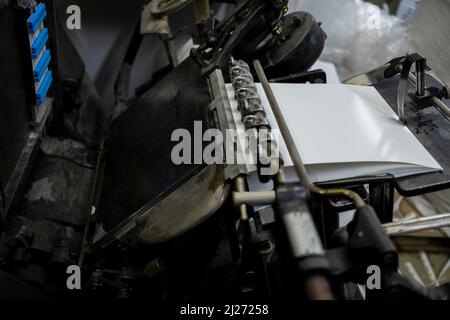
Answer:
(365, 34)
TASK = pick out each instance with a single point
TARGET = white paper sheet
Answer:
(345, 131)
(330, 70)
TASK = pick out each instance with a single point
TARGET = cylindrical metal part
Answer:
(254, 198)
(420, 71)
(416, 225)
(302, 233)
(240, 187)
(202, 10)
(440, 106)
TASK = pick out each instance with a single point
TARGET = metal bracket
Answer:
(229, 119)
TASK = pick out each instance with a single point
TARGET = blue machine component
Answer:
(42, 91)
(42, 66)
(39, 43)
(36, 19)
(41, 56)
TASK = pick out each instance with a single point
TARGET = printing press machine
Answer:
(84, 187)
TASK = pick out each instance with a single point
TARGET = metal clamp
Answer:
(253, 114)
(256, 121)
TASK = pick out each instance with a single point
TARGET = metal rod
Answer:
(440, 106)
(420, 71)
(240, 187)
(416, 225)
(202, 10)
(254, 198)
(293, 152)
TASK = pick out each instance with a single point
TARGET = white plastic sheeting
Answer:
(406, 9)
(361, 36)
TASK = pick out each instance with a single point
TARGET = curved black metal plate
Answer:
(139, 168)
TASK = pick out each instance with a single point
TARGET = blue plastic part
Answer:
(42, 91)
(41, 66)
(37, 18)
(39, 43)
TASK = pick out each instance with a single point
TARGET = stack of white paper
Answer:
(345, 131)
